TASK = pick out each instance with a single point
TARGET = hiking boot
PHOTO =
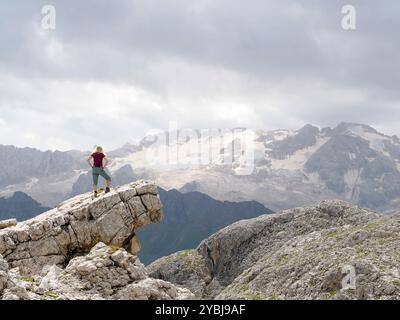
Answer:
(108, 190)
(95, 194)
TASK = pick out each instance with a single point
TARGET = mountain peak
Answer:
(309, 128)
(344, 127)
(21, 206)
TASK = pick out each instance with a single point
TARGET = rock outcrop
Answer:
(333, 250)
(76, 225)
(84, 249)
(104, 273)
(8, 223)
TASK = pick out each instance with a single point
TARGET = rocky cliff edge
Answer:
(84, 249)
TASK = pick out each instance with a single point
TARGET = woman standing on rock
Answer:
(98, 161)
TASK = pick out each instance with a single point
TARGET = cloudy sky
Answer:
(112, 70)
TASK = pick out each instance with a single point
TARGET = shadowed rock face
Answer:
(77, 225)
(306, 137)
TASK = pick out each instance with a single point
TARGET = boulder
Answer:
(8, 223)
(105, 273)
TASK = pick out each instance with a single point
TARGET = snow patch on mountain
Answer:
(352, 178)
(376, 140)
(299, 158)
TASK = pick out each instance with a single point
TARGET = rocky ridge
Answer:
(303, 253)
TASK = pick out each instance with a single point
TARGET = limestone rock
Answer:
(8, 223)
(3, 273)
(77, 251)
(153, 289)
(77, 225)
(105, 273)
(332, 250)
(135, 245)
(188, 268)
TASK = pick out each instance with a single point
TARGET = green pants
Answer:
(96, 172)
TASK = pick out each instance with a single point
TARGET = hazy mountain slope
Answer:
(44, 175)
(352, 162)
(190, 218)
(19, 165)
(302, 253)
(20, 206)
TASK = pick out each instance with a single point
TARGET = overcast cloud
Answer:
(112, 70)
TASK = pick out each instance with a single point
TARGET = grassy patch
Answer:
(362, 253)
(244, 289)
(372, 225)
(185, 254)
(180, 255)
(272, 297)
(114, 249)
(194, 264)
(282, 260)
(248, 294)
(257, 296)
(332, 294)
(396, 283)
(51, 294)
(313, 282)
(332, 234)
(27, 279)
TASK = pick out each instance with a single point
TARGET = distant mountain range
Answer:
(45, 175)
(352, 162)
(20, 206)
